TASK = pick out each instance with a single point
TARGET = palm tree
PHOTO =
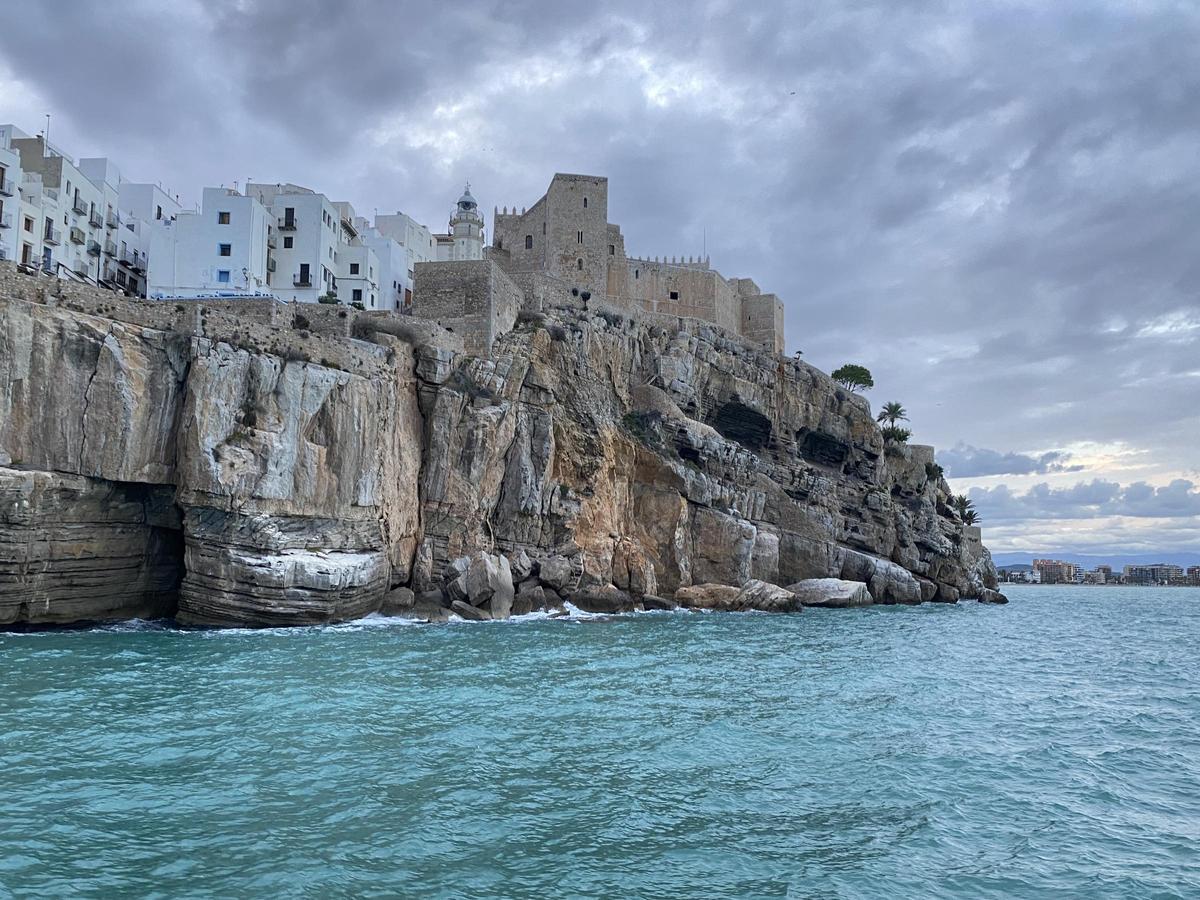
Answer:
(892, 413)
(970, 517)
(962, 505)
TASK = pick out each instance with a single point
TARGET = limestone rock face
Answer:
(77, 549)
(835, 593)
(232, 469)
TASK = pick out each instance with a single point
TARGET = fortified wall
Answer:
(566, 234)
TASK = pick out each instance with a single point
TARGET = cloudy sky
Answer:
(995, 206)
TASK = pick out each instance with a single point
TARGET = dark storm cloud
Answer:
(991, 205)
(964, 461)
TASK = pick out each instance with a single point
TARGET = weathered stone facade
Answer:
(566, 234)
(473, 299)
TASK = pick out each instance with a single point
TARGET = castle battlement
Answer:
(566, 234)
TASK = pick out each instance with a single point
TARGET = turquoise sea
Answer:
(1047, 747)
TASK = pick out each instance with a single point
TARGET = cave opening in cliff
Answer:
(738, 422)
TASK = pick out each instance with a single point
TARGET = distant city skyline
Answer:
(1002, 232)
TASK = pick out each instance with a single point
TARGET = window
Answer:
(579, 235)
(529, 242)
(223, 276)
(225, 249)
(158, 215)
(612, 249)
(543, 228)
(635, 274)
(353, 268)
(287, 242)
(356, 295)
(28, 224)
(674, 295)
(585, 202)
(579, 264)
(222, 218)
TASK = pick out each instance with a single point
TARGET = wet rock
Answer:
(469, 612)
(834, 593)
(990, 596)
(707, 596)
(763, 597)
(398, 602)
(603, 599)
(946, 593)
(649, 601)
(489, 581)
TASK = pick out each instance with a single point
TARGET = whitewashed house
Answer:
(222, 251)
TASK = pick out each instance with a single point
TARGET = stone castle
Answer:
(565, 245)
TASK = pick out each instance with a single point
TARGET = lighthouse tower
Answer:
(466, 228)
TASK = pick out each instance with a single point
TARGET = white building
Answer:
(465, 238)
(65, 216)
(11, 220)
(319, 253)
(416, 244)
(221, 251)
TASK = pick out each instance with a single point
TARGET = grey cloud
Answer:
(1089, 500)
(965, 461)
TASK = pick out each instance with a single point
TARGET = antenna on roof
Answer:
(46, 137)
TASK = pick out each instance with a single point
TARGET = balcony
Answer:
(112, 220)
(77, 235)
(299, 280)
(6, 187)
(131, 259)
(272, 241)
(286, 224)
(6, 220)
(81, 269)
(80, 206)
(95, 219)
(270, 264)
(93, 248)
(110, 248)
(52, 236)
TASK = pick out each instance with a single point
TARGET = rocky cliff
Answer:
(272, 465)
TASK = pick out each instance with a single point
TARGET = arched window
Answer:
(585, 202)
(635, 273)
(529, 242)
(579, 264)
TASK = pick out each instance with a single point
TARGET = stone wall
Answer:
(762, 321)
(474, 299)
(566, 235)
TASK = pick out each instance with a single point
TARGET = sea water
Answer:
(1047, 747)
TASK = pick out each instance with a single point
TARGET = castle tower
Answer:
(466, 228)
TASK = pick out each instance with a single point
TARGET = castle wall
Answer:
(702, 292)
(762, 321)
(474, 299)
(577, 245)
